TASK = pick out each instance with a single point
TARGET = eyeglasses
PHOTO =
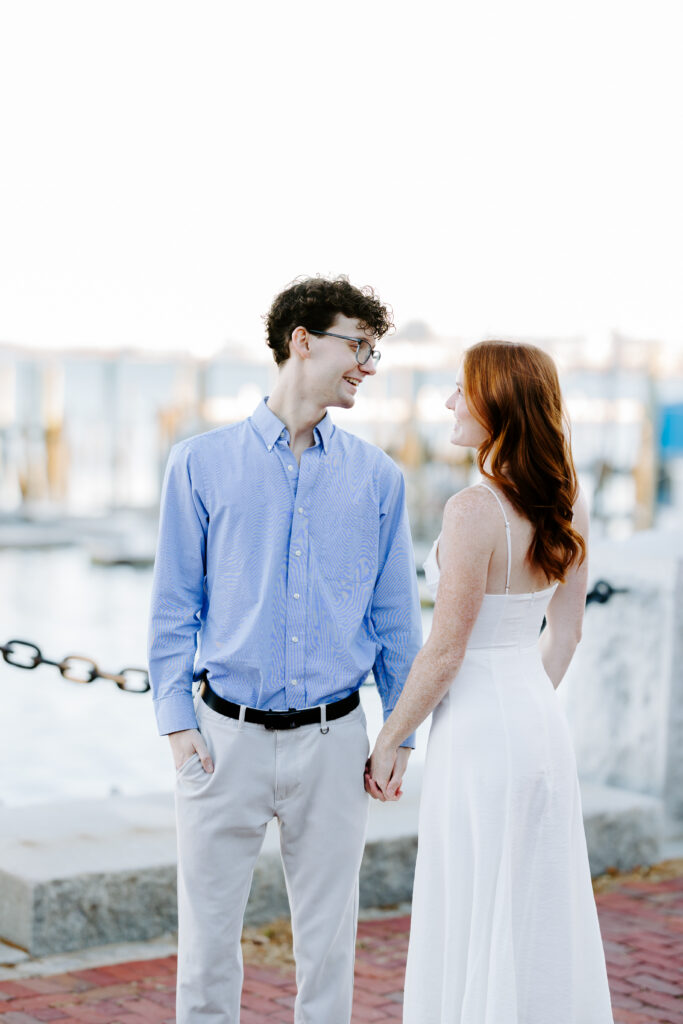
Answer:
(364, 349)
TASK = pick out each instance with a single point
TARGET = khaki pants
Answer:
(313, 784)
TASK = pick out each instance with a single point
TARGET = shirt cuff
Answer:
(175, 712)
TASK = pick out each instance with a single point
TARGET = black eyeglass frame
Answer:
(373, 354)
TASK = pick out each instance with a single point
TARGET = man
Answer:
(284, 574)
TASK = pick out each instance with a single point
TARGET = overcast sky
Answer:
(507, 167)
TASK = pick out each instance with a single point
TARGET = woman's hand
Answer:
(384, 770)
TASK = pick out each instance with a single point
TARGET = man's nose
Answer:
(369, 367)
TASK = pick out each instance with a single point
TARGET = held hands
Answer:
(186, 743)
(384, 771)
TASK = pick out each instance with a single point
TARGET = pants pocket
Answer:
(192, 759)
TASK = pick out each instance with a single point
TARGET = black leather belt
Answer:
(279, 719)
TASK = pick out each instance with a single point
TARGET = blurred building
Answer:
(88, 432)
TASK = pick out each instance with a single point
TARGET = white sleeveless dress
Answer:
(504, 926)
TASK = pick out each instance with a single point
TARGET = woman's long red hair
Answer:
(514, 392)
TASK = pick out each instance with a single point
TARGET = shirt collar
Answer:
(266, 423)
(269, 426)
(325, 430)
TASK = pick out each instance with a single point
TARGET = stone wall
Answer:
(623, 693)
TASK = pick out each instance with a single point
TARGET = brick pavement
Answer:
(642, 927)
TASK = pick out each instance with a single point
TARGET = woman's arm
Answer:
(564, 617)
(467, 541)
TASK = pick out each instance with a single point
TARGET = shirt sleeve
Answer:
(396, 616)
(177, 593)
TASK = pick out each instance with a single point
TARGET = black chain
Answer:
(76, 667)
(600, 594)
(602, 591)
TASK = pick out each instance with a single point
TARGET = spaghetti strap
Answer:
(507, 534)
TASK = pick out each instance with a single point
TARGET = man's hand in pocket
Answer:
(186, 743)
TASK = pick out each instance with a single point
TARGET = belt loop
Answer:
(324, 727)
(243, 711)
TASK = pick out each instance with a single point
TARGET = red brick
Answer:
(69, 1020)
(648, 981)
(262, 988)
(364, 997)
(622, 986)
(97, 976)
(167, 964)
(45, 986)
(366, 1013)
(84, 1013)
(108, 1009)
(256, 1003)
(35, 1003)
(671, 961)
(13, 1017)
(77, 1020)
(250, 1017)
(132, 970)
(625, 969)
(130, 1018)
(286, 1001)
(669, 1003)
(15, 989)
(630, 1017)
(270, 976)
(165, 998)
(627, 1002)
(393, 1011)
(145, 1008)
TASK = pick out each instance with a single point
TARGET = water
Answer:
(62, 740)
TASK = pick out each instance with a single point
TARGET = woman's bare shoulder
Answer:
(474, 499)
(472, 507)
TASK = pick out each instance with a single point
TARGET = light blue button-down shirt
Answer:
(286, 584)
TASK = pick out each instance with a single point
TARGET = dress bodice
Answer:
(504, 620)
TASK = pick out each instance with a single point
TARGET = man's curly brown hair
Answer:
(315, 303)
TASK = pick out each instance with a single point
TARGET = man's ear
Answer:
(299, 343)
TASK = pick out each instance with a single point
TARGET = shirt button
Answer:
(295, 682)
(297, 552)
(301, 511)
(295, 639)
(296, 597)
(290, 468)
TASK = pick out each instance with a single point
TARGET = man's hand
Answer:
(187, 742)
(384, 771)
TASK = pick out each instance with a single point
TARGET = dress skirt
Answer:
(504, 924)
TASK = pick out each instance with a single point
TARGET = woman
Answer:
(504, 926)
